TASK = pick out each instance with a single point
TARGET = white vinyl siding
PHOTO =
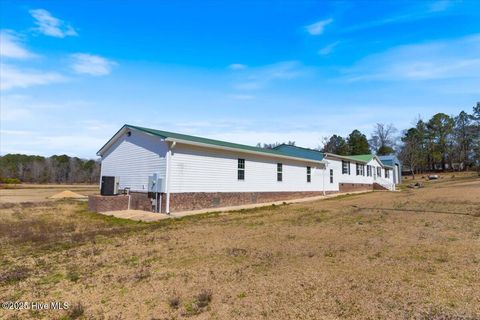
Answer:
(200, 169)
(196, 169)
(134, 158)
(362, 175)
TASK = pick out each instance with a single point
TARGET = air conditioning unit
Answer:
(109, 186)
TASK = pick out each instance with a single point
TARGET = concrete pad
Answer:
(137, 215)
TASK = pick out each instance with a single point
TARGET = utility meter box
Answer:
(155, 184)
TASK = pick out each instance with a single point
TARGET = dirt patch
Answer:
(68, 194)
(137, 215)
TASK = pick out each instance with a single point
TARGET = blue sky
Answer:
(72, 73)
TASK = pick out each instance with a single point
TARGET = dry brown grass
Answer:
(24, 192)
(329, 259)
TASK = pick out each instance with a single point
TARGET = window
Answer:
(241, 169)
(379, 172)
(369, 171)
(309, 174)
(387, 173)
(360, 169)
(279, 172)
(345, 167)
(331, 175)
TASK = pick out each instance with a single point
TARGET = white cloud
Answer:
(328, 48)
(449, 59)
(420, 10)
(440, 5)
(237, 66)
(84, 63)
(242, 97)
(12, 47)
(29, 124)
(318, 27)
(12, 77)
(51, 26)
(261, 77)
(308, 139)
(72, 144)
(44, 143)
(18, 114)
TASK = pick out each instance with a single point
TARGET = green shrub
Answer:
(10, 180)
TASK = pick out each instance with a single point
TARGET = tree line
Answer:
(443, 142)
(440, 143)
(54, 169)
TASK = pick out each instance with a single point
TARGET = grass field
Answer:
(413, 254)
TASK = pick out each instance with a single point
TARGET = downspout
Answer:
(167, 176)
(323, 176)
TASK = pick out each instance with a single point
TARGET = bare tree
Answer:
(383, 139)
(274, 145)
(411, 153)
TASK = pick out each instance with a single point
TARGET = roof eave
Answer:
(344, 157)
(111, 141)
(119, 133)
(212, 146)
(356, 160)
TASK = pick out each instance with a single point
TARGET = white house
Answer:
(177, 172)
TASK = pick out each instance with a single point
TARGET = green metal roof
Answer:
(195, 139)
(390, 160)
(300, 152)
(361, 157)
(387, 162)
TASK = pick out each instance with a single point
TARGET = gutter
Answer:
(205, 145)
(273, 155)
(167, 176)
(359, 161)
(324, 170)
(344, 158)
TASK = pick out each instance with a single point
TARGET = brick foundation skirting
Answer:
(377, 186)
(107, 203)
(193, 200)
(141, 201)
(349, 187)
(203, 200)
(138, 201)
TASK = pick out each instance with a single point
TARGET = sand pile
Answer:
(67, 194)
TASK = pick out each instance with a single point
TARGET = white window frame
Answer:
(345, 167)
(279, 172)
(241, 168)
